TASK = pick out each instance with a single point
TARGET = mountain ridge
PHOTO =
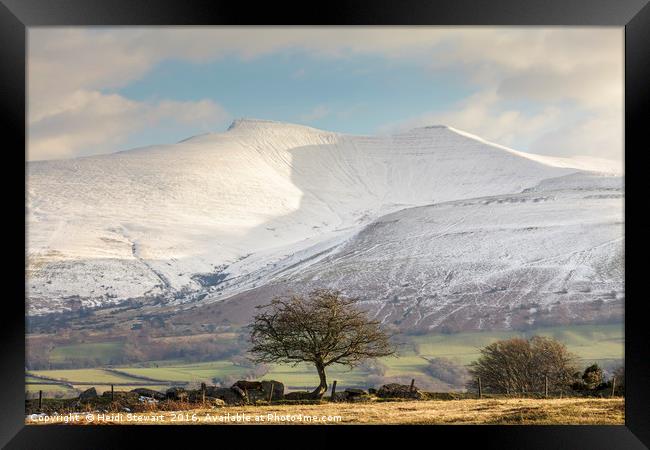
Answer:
(156, 223)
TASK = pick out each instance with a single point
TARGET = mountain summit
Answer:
(434, 221)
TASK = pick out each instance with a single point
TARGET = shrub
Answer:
(523, 366)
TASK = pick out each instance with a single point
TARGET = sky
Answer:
(553, 91)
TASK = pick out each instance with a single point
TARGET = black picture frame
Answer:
(17, 15)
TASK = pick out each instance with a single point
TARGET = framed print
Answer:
(359, 218)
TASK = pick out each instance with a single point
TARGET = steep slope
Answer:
(550, 255)
(223, 213)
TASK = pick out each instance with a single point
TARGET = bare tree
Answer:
(524, 366)
(323, 328)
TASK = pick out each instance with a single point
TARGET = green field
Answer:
(101, 352)
(100, 379)
(193, 372)
(84, 376)
(48, 388)
(598, 343)
(404, 365)
(592, 343)
(29, 379)
(303, 376)
(33, 385)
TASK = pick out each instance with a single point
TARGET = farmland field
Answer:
(188, 372)
(590, 342)
(101, 352)
(51, 389)
(84, 376)
(304, 376)
(603, 344)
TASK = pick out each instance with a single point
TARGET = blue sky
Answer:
(289, 87)
(553, 91)
(352, 95)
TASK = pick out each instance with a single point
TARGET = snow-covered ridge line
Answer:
(587, 163)
(230, 205)
(251, 125)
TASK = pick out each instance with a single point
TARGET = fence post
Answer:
(412, 385)
(40, 401)
(332, 398)
(112, 393)
(613, 385)
(203, 393)
(271, 393)
(546, 386)
(480, 388)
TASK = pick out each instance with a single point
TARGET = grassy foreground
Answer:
(487, 411)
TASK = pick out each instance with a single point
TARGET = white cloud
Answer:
(552, 130)
(90, 122)
(598, 136)
(482, 114)
(591, 86)
(564, 71)
(549, 91)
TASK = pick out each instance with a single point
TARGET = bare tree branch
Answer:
(323, 328)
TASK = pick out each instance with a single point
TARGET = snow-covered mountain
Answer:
(432, 221)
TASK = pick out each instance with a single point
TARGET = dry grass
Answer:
(487, 411)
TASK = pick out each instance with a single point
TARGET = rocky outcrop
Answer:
(176, 393)
(260, 390)
(121, 395)
(352, 395)
(229, 396)
(298, 395)
(150, 393)
(395, 390)
(88, 394)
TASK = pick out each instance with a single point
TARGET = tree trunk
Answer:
(322, 387)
